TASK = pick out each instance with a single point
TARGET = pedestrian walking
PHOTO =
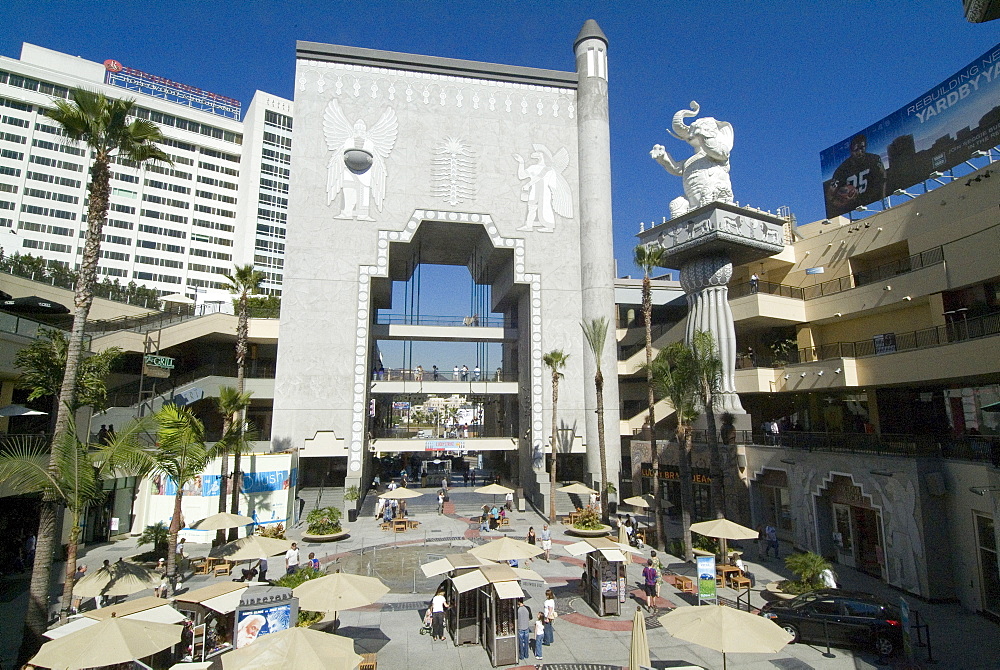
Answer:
(772, 540)
(509, 501)
(546, 538)
(465, 477)
(441, 502)
(292, 559)
(531, 538)
(650, 576)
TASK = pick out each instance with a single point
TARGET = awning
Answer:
(612, 555)
(526, 573)
(508, 590)
(579, 548)
(435, 568)
(469, 581)
(224, 604)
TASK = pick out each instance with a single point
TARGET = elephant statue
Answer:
(706, 173)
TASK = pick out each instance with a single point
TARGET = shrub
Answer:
(157, 535)
(352, 493)
(588, 519)
(301, 576)
(807, 567)
(323, 521)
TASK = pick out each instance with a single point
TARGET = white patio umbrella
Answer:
(506, 549)
(294, 649)
(494, 490)
(725, 629)
(400, 494)
(339, 591)
(250, 548)
(638, 653)
(107, 642)
(177, 299)
(724, 529)
(577, 488)
(222, 521)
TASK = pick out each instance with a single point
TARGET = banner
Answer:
(935, 132)
(706, 578)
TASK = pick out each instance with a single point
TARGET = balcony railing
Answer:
(431, 320)
(871, 276)
(128, 394)
(412, 375)
(957, 331)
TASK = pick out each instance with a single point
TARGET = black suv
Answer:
(850, 618)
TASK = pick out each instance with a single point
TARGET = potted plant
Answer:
(352, 494)
(323, 524)
(588, 523)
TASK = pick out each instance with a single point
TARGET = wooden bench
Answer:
(739, 582)
(201, 566)
(412, 524)
(368, 662)
(684, 584)
(386, 525)
(222, 569)
(399, 525)
(504, 521)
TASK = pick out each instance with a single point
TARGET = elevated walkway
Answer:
(174, 332)
(394, 445)
(453, 333)
(394, 387)
(637, 359)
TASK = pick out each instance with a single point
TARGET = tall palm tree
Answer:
(180, 456)
(105, 127)
(596, 333)
(230, 403)
(75, 481)
(674, 378)
(555, 360)
(647, 258)
(243, 282)
(708, 371)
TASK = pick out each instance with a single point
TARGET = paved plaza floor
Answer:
(391, 628)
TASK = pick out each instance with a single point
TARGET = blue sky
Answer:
(792, 77)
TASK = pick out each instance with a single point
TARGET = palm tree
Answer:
(674, 378)
(105, 127)
(76, 479)
(555, 360)
(647, 258)
(230, 402)
(596, 332)
(243, 282)
(181, 456)
(43, 364)
(708, 371)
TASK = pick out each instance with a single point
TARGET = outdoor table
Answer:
(723, 571)
(399, 525)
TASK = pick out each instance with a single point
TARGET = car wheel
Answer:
(791, 630)
(884, 647)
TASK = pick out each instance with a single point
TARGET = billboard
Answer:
(935, 132)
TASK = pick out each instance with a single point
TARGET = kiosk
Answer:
(482, 603)
(604, 580)
(212, 611)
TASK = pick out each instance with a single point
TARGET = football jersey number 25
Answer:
(859, 180)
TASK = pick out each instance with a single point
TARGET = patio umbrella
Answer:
(222, 521)
(177, 299)
(400, 494)
(118, 579)
(251, 548)
(724, 529)
(294, 649)
(107, 642)
(506, 549)
(638, 653)
(725, 629)
(19, 410)
(339, 591)
(494, 490)
(32, 304)
(577, 488)
(622, 534)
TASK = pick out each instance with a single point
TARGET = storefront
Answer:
(670, 482)
(774, 498)
(857, 526)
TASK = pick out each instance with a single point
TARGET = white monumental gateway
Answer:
(401, 160)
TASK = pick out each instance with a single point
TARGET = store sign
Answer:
(444, 445)
(673, 473)
(158, 361)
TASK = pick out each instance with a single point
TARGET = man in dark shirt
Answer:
(859, 180)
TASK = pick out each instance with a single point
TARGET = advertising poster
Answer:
(706, 578)
(933, 133)
(252, 624)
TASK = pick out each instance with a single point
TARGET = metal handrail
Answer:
(431, 320)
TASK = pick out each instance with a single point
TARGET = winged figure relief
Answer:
(545, 189)
(357, 167)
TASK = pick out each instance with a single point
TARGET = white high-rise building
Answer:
(170, 228)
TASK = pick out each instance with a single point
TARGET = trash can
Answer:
(352, 514)
(520, 499)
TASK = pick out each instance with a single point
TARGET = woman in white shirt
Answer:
(438, 605)
(549, 612)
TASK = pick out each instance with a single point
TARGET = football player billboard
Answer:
(937, 131)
